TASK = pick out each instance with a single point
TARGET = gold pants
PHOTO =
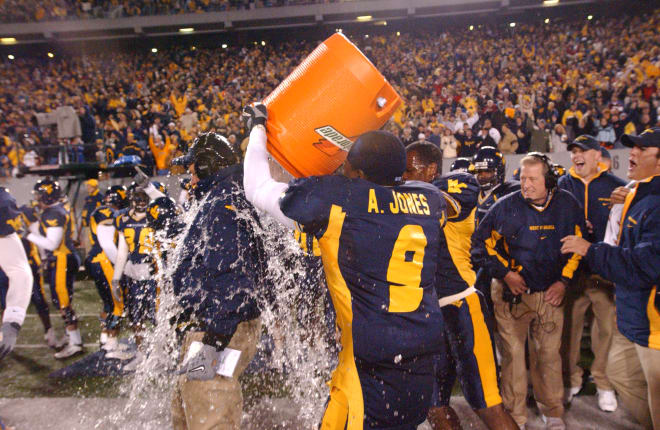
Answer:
(216, 404)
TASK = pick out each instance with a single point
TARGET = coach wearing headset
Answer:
(520, 237)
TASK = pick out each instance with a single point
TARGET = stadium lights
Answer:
(224, 46)
(186, 30)
(11, 57)
(363, 18)
(193, 48)
(550, 2)
(547, 21)
(263, 43)
(513, 24)
(366, 36)
(154, 50)
(398, 33)
(590, 17)
(51, 55)
(8, 40)
(383, 23)
(471, 27)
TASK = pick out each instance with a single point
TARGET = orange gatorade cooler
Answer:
(331, 98)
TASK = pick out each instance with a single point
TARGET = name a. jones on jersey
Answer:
(406, 203)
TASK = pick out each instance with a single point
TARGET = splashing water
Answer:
(296, 352)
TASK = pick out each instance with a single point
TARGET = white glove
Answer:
(202, 366)
(141, 178)
(116, 290)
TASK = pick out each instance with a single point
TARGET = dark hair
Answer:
(428, 152)
(380, 155)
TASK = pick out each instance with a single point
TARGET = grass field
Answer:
(28, 394)
(25, 372)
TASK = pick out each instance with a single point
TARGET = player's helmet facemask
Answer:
(139, 200)
(489, 159)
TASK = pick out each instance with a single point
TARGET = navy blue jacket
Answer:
(218, 262)
(596, 193)
(634, 265)
(516, 236)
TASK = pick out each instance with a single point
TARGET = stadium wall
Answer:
(21, 188)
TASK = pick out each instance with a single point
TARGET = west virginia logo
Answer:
(52, 222)
(47, 188)
(154, 212)
(15, 223)
(454, 186)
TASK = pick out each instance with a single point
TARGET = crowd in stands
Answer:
(528, 88)
(59, 10)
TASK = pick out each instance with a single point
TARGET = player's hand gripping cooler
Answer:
(331, 98)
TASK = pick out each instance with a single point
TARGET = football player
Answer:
(99, 262)
(134, 267)
(15, 296)
(490, 170)
(379, 240)
(469, 336)
(31, 218)
(93, 200)
(55, 237)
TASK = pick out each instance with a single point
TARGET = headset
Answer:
(551, 174)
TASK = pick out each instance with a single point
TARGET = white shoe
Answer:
(122, 352)
(569, 393)
(132, 365)
(110, 344)
(607, 400)
(553, 423)
(69, 351)
(51, 338)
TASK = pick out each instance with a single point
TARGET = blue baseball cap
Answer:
(647, 139)
(585, 143)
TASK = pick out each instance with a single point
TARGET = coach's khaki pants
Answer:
(635, 373)
(216, 404)
(598, 294)
(543, 324)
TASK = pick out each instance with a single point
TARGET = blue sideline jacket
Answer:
(518, 236)
(596, 192)
(634, 265)
(218, 268)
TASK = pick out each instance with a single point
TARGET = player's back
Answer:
(57, 216)
(99, 215)
(379, 247)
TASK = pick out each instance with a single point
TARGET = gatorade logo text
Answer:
(333, 136)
